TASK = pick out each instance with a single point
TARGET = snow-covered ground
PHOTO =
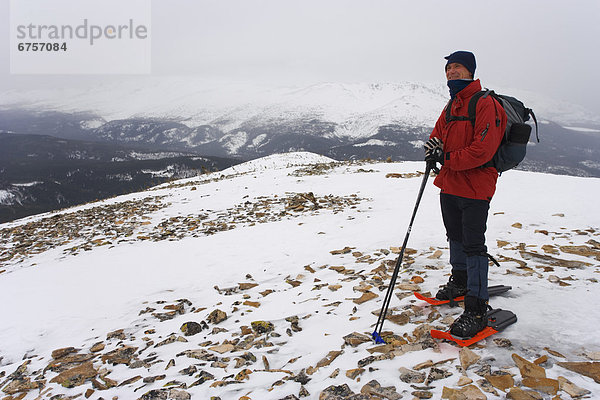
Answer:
(59, 298)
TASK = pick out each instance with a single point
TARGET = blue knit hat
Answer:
(465, 58)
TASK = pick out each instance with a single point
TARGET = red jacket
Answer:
(467, 148)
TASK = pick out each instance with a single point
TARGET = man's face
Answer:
(457, 71)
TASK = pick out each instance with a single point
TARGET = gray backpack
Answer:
(513, 147)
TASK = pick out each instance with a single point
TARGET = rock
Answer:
(288, 397)
(294, 321)
(192, 328)
(540, 360)
(571, 389)
(69, 361)
(109, 382)
(584, 251)
(171, 339)
(336, 392)
(503, 342)
(151, 379)
(520, 394)
(467, 358)
(487, 387)
(527, 255)
(545, 385)
(353, 373)
(417, 279)
(191, 370)
(170, 364)
(593, 355)
(302, 378)
(156, 394)
(408, 376)
(464, 380)
(393, 339)
(325, 361)
(223, 348)
(590, 369)
(354, 339)
(371, 359)
(89, 393)
(22, 385)
(175, 394)
(383, 348)
(470, 392)
(365, 297)
(334, 288)
(501, 381)
(97, 347)
(247, 285)
(243, 375)
(59, 353)
(199, 354)
(118, 334)
(76, 376)
(422, 394)
(483, 370)
(345, 250)
(216, 316)
(260, 327)
(245, 330)
(203, 376)
(373, 388)
(98, 385)
(437, 374)
(554, 353)
(528, 369)
(399, 319)
(303, 392)
(423, 365)
(254, 304)
(122, 355)
(130, 380)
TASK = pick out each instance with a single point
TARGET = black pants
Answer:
(466, 222)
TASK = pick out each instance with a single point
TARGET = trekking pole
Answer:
(376, 335)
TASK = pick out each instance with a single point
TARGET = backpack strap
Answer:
(471, 111)
(450, 117)
(530, 112)
(473, 104)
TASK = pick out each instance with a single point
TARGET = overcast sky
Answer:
(549, 47)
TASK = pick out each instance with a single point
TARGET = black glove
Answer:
(434, 150)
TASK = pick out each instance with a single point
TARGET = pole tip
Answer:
(377, 338)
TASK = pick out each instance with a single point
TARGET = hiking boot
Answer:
(473, 320)
(456, 286)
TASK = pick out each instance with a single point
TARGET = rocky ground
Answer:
(172, 349)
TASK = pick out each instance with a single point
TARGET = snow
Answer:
(375, 142)
(6, 197)
(27, 184)
(51, 300)
(581, 129)
(357, 109)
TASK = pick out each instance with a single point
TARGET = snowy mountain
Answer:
(263, 281)
(339, 120)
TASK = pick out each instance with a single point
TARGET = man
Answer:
(466, 188)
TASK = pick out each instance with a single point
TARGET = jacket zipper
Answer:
(485, 132)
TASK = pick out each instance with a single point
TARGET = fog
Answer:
(545, 47)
